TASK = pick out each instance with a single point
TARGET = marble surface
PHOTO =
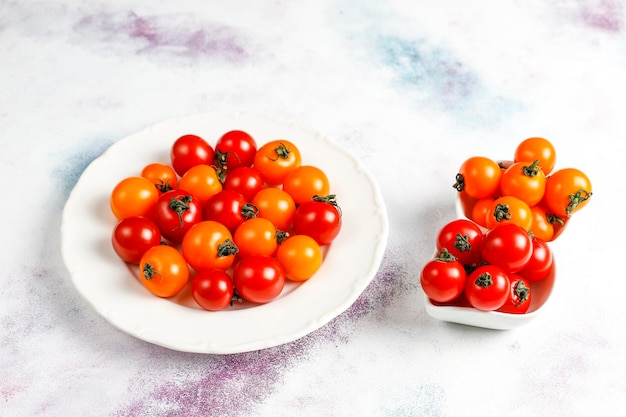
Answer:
(410, 87)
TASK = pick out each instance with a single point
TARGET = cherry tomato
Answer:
(163, 271)
(133, 197)
(175, 212)
(319, 218)
(275, 205)
(443, 278)
(276, 159)
(542, 224)
(540, 262)
(234, 149)
(509, 209)
(524, 180)
(479, 177)
(467, 203)
(133, 236)
(536, 148)
(256, 236)
(202, 181)
(229, 208)
(245, 180)
(188, 151)
(462, 239)
(481, 210)
(507, 246)
(258, 279)
(300, 256)
(212, 289)
(520, 296)
(487, 288)
(161, 175)
(209, 245)
(567, 191)
(305, 182)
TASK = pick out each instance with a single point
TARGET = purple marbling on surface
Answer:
(606, 15)
(172, 35)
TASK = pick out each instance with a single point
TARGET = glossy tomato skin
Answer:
(540, 262)
(275, 205)
(462, 238)
(175, 212)
(276, 159)
(524, 180)
(256, 236)
(520, 296)
(202, 181)
(258, 279)
(507, 246)
(133, 236)
(536, 148)
(212, 289)
(509, 209)
(443, 278)
(161, 175)
(487, 288)
(133, 197)
(245, 180)
(320, 219)
(209, 245)
(479, 177)
(234, 149)
(567, 191)
(190, 150)
(226, 207)
(163, 271)
(305, 182)
(300, 256)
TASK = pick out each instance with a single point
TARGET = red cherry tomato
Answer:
(443, 278)
(462, 238)
(175, 212)
(190, 150)
(540, 262)
(133, 236)
(212, 289)
(319, 218)
(235, 149)
(487, 288)
(229, 208)
(258, 279)
(520, 296)
(508, 246)
(245, 180)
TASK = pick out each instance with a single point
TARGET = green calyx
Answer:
(180, 206)
(484, 280)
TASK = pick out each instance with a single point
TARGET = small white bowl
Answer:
(468, 315)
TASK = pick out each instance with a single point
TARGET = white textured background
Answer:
(410, 87)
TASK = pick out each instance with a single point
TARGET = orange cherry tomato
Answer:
(479, 177)
(480, 210)
(276, 159)
(256, 236)
(536, 148)
(275, 205)
(201, 181)
(524, 180)
(209, 245)
(567, 191)
(542, 228)
(162, 176)
(300, 256)
(133, 197)
(306, 181)
(163, 271)
(509, 209)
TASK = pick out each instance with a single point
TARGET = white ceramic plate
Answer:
(541, 291)
(112, 288)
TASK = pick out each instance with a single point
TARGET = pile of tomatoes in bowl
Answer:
(231, 220)
(496, 257)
